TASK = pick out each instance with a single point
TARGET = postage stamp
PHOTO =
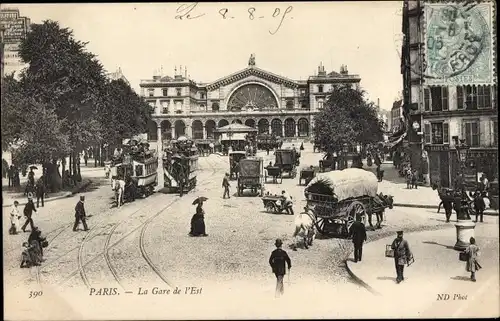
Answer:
(459, 43)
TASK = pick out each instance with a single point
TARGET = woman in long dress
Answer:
(198, 222)
(472, 264)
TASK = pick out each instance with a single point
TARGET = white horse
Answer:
(305, 229)
(118, 187)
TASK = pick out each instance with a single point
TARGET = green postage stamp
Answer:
(459, 43)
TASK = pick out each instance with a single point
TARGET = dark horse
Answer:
(380, 201)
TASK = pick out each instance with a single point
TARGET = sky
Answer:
(216, 39)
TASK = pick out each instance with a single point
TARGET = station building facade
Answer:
(253, 96)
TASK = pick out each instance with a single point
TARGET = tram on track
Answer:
(180, 164)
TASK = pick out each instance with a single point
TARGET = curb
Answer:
(68, 194)
(360, 282)
(487, 212)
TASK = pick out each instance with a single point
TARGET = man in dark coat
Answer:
(358, 231)
(40, 191)
(36, 235)
(28, 212)
(479, 205)
(402, 255)
(277, 263)
(80, 214)
(225, 184)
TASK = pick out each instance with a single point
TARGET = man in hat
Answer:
(28, 212)
(286, 202)
(225, 184)
(80, 214)
(358, 231)
(277, 263)
(40, 191)
(402, 254)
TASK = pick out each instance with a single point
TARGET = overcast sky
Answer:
(140, 38)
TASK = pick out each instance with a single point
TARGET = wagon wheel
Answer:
(356, 208)
(321, 223)
(269, 207)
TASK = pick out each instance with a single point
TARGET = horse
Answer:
(385, 201)
(118, 186)
(304, 228)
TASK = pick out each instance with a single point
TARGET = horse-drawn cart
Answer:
(274, 172)
(287, 161)
(250, 175)
(337, 198)
(234, 160)
(307, 174)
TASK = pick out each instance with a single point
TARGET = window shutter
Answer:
(460, 97)
(444, 97)
(475, 133)
(446, 133)
(427, 133)
(427, 98)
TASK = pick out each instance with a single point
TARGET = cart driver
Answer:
(286, 202)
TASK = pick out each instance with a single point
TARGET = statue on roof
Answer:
(251, 61)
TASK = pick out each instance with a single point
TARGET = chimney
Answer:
(343, 70)
(321, 70)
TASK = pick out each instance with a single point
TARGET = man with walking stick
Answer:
(277, 262)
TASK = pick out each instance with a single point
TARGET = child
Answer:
(26, 260)
(414, 179)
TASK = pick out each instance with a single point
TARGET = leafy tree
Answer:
(62, 75)
(122, 113)
(347, 119)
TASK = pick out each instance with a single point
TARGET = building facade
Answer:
(452, 88)
(118, 74)
(252, 96)
(396, 115)
(15, 29)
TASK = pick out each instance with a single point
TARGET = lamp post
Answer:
(465, 227)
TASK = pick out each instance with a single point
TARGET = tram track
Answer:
(142, 247)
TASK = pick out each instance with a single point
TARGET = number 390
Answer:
(34, 294)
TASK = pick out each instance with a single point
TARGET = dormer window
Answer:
(179, 91)
(151, 92)
(202, 95)
(320, 88)
(165, 92)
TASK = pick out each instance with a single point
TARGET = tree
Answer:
(66, 78)
(347, 119)
(122, 113)
(34, 129)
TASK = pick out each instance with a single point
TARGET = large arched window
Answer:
(252, 96)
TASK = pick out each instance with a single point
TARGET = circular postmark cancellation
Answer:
(458, 42)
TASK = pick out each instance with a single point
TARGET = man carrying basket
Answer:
(402, 255)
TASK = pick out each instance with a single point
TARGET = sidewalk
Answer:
(436, 270)
(422, 197)
(8, 197)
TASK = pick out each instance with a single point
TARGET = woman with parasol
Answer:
(198, 219)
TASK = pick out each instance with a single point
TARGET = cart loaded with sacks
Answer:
(337, 198)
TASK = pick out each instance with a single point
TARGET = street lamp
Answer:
(465, 227)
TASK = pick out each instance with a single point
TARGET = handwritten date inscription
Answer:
(188, 12)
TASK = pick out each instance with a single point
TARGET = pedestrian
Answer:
(37, 239)
(479, 205)
(358, 231)
(10, 173)
(26, 256)
(40, 191)
(414, 177)
(14, 218)
(198, 222)
(408, 174)
(472, 263)
(277, 262)
(302, 146)
(28, 212)
(225, 184)
(286, 202)
(80, 214)
(85, 158)
(402, 255)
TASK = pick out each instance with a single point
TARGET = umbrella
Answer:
(33, 167)
(199, 200)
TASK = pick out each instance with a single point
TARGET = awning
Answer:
(233, 136)
(394, 141)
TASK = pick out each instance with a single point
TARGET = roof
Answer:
(252, 71)
(236, 128)
(347, 183)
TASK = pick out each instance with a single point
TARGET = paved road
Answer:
(145, 245)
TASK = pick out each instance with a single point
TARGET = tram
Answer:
(180, 164)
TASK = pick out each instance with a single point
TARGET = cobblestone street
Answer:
(145, 244)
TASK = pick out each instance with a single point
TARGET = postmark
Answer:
(458, 43)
